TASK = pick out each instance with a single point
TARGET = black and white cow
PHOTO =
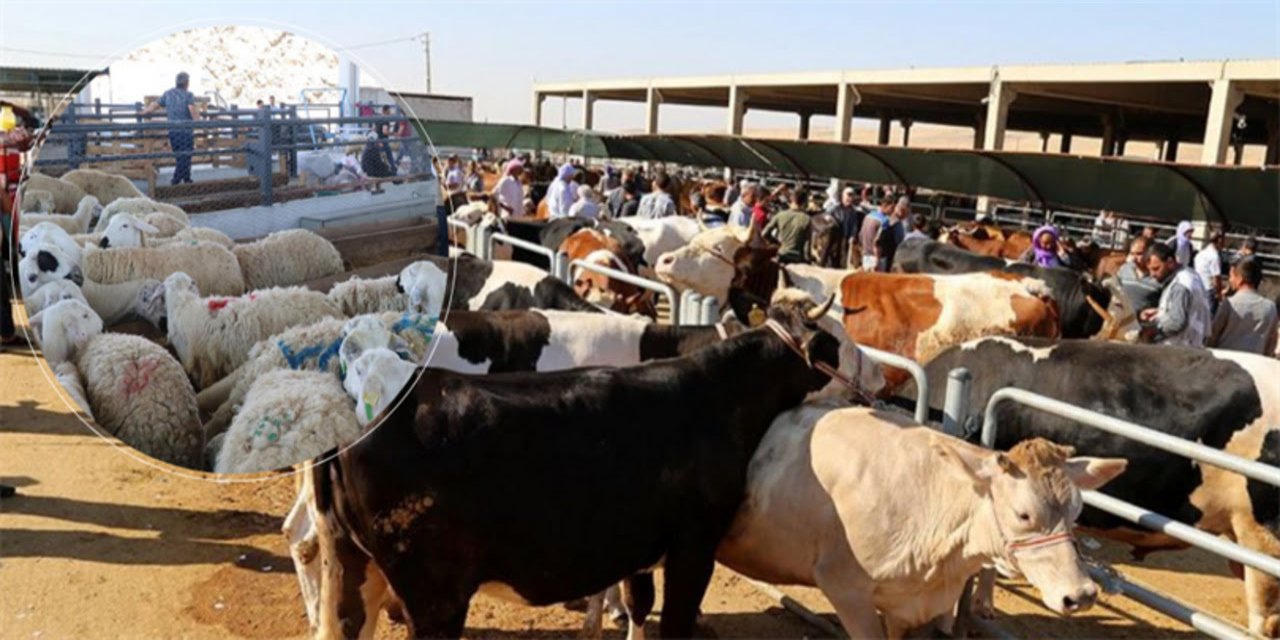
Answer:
(466, 282)
(1222, 399)
(1079, 300)
(479, 483)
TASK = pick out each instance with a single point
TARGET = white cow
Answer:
(662, 235)
(887, 516)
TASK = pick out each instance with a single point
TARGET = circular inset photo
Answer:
(211, 228)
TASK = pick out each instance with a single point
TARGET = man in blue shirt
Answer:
(179, 106)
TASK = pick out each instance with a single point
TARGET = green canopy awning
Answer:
(1236, 196)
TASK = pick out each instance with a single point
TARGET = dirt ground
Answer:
(100, 545)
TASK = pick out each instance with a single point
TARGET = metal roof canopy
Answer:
(40, 80)
(1234, 196)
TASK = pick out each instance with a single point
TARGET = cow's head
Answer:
(860, 376)
(425, 285)
(1030, 502)
(64, 328)
(375, 379)
(126, 230)
(44, 264)
(708, 264)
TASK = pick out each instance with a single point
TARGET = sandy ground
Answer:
(100, 545)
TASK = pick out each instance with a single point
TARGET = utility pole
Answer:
(426, 56)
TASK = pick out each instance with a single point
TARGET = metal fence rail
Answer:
(916, 371)
(557, 260)
(634, 280)
(1203, 454)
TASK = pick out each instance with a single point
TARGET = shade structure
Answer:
(1234, 196)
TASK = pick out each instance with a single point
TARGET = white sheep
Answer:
(375, 379)
(313, 347)
(287, 258)
(213, 267)
(140, 207)
(359, 296)
(66, 196)
(115, 303)
(69, 379)
(51, 293)
(77, 222)
(49, 233)
(45, 263)
(213, 336)
(191, 235)
(184, 235)
(127, 230)
(135, 390)
(287, 417)
(37, 201)
(106, 187)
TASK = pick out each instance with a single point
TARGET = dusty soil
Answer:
(100, 545)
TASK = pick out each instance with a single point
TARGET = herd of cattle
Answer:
(556, 443)
(550, 455)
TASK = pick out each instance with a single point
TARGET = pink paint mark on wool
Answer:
(137, 376)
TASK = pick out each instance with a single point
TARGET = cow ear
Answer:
(1091, 473)
(978, 467)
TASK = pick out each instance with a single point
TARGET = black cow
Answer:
(549, 487)
(1070, 289)
(468, 282)
(1221, 399)
(826, 241)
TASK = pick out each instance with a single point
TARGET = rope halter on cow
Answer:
(1011, 548)
(813, 315)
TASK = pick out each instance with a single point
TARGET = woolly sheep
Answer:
(313, 348)
(46, 263)
(69, 378)
(212, 266)
(66, 196)
(77, 222)
(126, 230)
(184, 235)
(140, 207)
(136, 391)
(213, 336)
(192, 235)
(52, 293)
(49, 233)
(37, 201)
(106, 187)
(287, 258)
(359, 296)
(287, 417)
(115, 303)
(374, 380)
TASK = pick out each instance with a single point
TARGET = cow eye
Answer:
(1025, 517)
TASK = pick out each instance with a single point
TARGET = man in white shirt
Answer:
(1182, 318)
(1208, 264)
(658, 203)
(509, 193)
(740, 212)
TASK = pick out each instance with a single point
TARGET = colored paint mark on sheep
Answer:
(321, 353)
(137, 376)
(425, 325)
(217, 304)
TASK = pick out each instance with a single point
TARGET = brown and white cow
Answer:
(918, 316)
(887, 516)
(600, 248)
(989, 240)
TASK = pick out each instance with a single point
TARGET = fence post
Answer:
(560, 267)
(262, 153)
(710, 309)
(955, 409)
(78, 143)
(690, 308)
(481, 248)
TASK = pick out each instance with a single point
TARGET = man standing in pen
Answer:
(179, 105)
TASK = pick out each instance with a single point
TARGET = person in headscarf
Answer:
(1044, 248)
(561, 194)
(509, 193)
(1181, 243)
(586, 206)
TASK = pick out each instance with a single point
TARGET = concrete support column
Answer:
(998, 101)
(845, 101)
(1223, 102)
(652, 100)
(1171, 150)
(1237, 155)
(883, 138)
(737, 109)
(588, 109)
(537, 109)
(1044, 142)
(1121, 141)
(906, 132)
(1065, 145)
(805, 119)
(1108, 136)
(1273, 139)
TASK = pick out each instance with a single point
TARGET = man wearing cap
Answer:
(179, 105)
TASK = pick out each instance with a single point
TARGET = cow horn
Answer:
(1108, 321)
(816, 313)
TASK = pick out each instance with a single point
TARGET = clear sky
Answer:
(494, 51)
